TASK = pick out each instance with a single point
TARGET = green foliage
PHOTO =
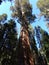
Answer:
(8, 43)
(43, 5)
(23, 11)
(3, 17)
(45, 43)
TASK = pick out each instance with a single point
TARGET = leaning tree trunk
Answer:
(25, 54)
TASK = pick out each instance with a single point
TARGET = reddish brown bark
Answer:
(28, 56)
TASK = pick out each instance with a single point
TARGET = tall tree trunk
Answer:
(25, 50)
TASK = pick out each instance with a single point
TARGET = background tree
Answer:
(44, 8)
(8, 43)
(45, 43)
(38, 35)
(2, 19)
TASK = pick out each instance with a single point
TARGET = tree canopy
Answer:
(44, 7)
(3, 17)
(23, 11)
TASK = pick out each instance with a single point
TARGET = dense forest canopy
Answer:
(24, 50)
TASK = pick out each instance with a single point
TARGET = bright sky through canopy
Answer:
(5, 8)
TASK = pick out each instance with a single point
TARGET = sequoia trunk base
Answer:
(25, 54)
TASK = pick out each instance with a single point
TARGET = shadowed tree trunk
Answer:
(25, 51)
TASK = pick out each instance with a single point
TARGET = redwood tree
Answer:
(8, 43)
(22, 11)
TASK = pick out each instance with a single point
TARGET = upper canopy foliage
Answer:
(43, 5)
(23, 11)
(3, 17)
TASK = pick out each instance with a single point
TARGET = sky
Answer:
(5, 8)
